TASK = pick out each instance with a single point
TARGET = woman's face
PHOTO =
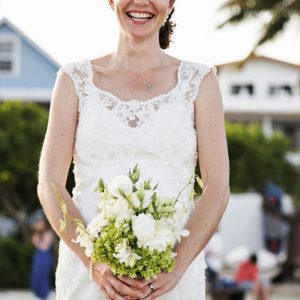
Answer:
(141, 18)
(40, 225)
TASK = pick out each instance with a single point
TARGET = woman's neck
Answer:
(135, 55)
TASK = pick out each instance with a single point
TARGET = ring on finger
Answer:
(151, 287)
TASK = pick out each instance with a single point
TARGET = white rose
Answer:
(120, 182)
(143, 227)
(96, 225)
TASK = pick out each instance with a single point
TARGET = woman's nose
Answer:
(141, 2)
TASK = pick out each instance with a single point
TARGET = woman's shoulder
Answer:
(74, 66)
(202, 67)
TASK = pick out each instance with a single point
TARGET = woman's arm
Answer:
(56, 157)
(214, 166)
(55, 160)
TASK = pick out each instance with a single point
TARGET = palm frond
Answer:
(236, 18)
(273, 28)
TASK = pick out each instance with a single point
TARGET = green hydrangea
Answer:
(150, 264)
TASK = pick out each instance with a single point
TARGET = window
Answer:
(281, 90)
(242, 89)
(9, 54)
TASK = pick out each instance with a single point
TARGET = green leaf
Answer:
(199, 181)
(63, 225)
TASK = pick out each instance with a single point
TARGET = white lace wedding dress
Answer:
(112, 136)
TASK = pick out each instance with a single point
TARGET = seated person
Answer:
(246, 278)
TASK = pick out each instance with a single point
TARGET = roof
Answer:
(4, 20)
(262, 57)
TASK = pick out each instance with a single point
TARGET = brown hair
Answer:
(166, 31)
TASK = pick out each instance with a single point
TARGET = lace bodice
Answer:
(113, 135)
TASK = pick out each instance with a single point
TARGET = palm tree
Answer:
(281, 12)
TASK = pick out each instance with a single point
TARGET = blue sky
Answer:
(74, 29)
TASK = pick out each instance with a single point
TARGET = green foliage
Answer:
(255, 158)
(22, 129)
(15, 263)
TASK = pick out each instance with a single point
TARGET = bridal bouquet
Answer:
(134, 230)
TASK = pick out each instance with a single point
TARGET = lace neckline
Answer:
(136, 101)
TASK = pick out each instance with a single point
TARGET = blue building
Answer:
(27, 72)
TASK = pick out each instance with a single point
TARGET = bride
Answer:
(137, 104)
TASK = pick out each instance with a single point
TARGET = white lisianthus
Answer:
(167, 201)
(147, 198)
(135, 201)
(96, 225)
(120, 182)
(125, 254)
(116, 209)
(143, 227)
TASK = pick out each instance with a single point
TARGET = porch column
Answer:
(267, 126)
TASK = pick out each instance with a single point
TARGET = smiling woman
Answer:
(136, 105)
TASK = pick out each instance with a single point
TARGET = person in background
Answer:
(214, 259)
(43, 240)
(246, 278)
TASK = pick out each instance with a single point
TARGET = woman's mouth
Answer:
(140, 17)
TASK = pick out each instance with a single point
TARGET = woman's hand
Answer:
(119, 287)
(164, 282)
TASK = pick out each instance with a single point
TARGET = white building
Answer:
(265, 90)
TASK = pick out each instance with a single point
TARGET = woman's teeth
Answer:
(140, 16)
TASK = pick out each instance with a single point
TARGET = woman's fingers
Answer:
(137, 283)
(113, 293)
(132, 282)
(104, 292)
(157, 292)
(159, 288)
(126, 289)
(147, 282)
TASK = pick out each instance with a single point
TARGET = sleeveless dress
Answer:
(40, 276)
(112, 136)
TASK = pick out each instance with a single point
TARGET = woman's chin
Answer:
(141, 34)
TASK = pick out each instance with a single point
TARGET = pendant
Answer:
(149, 87)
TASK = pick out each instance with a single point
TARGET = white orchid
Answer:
(84, 239)
(125, 254)
(163, 236)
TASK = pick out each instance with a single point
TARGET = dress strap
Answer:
(191, 77)
(80, 75)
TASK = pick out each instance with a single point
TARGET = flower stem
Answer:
(189, 182)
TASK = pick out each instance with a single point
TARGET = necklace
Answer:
(148, 83)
